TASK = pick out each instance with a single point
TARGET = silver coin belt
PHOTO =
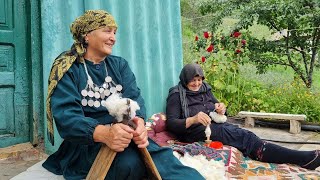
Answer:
(94, 95)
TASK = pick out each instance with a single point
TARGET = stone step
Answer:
(23, 151)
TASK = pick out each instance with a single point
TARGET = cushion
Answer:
(156, 126)
(158, 122)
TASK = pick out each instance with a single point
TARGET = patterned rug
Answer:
(240, 167)
(237, 166)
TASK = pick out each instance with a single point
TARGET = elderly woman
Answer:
(188, 106)
(80, 81)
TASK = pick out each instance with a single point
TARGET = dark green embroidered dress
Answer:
(76, 124)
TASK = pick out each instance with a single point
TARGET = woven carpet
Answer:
(240, 167)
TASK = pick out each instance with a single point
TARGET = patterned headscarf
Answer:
(89, 21)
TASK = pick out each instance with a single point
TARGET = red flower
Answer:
(244, 42)
(236, 34)
(238, 51)
(203, 59)
(206, 35)
(210, 48)
(196, 38)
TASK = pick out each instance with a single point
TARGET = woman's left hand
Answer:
(220, 108)
(140, 135)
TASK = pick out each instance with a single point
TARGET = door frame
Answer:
(34, 54)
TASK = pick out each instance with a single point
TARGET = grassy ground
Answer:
(258, 31)
(277, 76)
(316, 80)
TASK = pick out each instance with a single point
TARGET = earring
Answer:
(86, 41)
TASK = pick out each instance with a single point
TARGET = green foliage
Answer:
(281, 93)
(295, 25)
(295, 98)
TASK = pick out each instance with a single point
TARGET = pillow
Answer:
(156, 126)
(158, 122)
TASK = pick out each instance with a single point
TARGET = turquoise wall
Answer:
(149, 37)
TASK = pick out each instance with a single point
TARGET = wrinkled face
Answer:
(101, 41)
(195, 84)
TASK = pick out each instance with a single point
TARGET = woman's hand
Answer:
(117, 137)
(201, 117)
(140, 135)
(220, 108)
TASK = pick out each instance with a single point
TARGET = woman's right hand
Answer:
(117, 137)
(201, 117)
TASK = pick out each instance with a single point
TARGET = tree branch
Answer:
(315, 41)
(296, 69)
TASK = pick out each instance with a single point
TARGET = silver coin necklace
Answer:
(94, 95)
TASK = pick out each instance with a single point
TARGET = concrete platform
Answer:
(16, 159)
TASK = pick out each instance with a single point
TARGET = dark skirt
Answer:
(74, 161)
(228, 134)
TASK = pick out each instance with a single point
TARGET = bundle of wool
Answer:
(218, 118)
(117, 106)
(209, 169)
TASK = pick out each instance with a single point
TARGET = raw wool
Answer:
(117, 106)
(207, 131)
(210, 170)
(218, 118)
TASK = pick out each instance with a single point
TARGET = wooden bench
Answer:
(295, 119)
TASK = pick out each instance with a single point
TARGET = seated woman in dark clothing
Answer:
(188, 106)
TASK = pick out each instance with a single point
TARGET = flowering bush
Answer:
(220, 56)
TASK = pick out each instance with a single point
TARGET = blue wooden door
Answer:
(14, 76)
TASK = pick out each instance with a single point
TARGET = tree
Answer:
(296, 22)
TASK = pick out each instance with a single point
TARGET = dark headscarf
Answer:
(188, 72)
(89, 21)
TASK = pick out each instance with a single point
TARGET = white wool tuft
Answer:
(218, 118)
(208, 131)
(117, 106)
(210, 170)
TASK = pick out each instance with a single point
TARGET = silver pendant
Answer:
(96, 104)
(90, 93)
(106, 92)
(90, 103)
(97, 95)
(113, 90)
(84, 102)
(119, 87)
(105, 85)
(108, 79)
(103, 103)
(84, 93)
(102, 95)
